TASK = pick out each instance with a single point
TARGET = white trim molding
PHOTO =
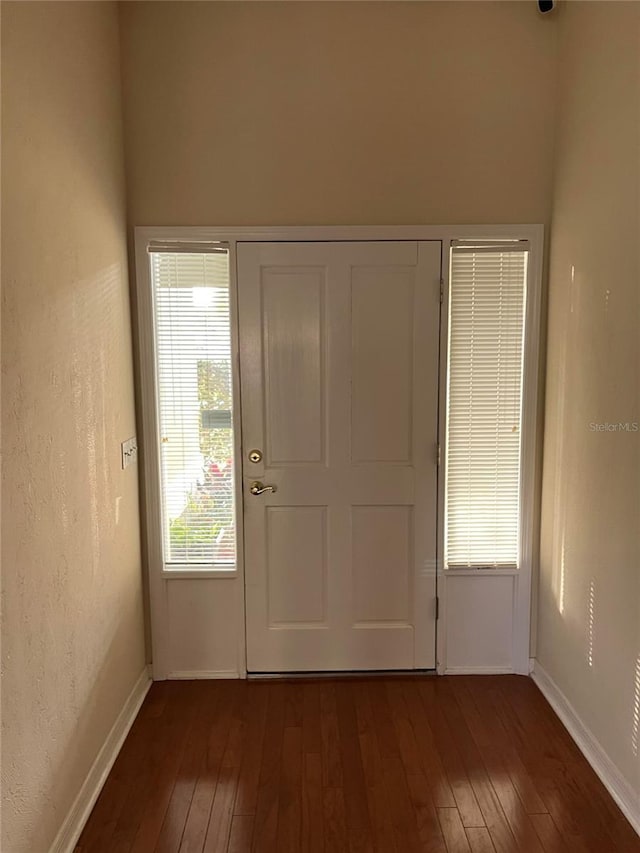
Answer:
(478, 670)
(622, 792)
(519, 632)
(72, 826)
(196, 674)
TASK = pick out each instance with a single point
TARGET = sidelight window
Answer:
(195, 402)
(483, 491)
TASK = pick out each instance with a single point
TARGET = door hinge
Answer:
(437, 608)
(441, 291)
(438, 454)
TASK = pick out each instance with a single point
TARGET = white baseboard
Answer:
(622, 792)
(478, 670)
(194, 674)
(69, 833)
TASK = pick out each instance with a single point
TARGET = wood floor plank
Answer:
(404, 734)
(380, 816)
(479, 840)
(453, 831)
(430, 760)
(485, 795)
(561, 769)
(382, 720)
(241, 834)
(403, 817)
(490, 753)
(580, 818)
(373, 765)
(265, 831)
(179, 725)
(293, 704)
(602, 816)
(221, 814)
(99, 829)
(548, 834)
(290, 798)
(182, 794)
(256, 716)
(220, 817)
(355, 794)
(311, 728)
(197, 823)
(312, 814)
(150, 765)
(464, 796)
(334, 820)
(331, 759)
(429, 830)
(489, 706)
(384, 839)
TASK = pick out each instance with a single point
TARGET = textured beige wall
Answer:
(338, 113)
(72, 644)
(589, 607)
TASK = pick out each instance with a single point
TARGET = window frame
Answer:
(176, 568)
(151, 482)
(530, 478)
(525, 250)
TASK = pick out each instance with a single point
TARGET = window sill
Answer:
(189, 573)
(482, 572)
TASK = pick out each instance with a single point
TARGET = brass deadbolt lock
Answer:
(255, 456)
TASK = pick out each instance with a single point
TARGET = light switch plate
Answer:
(129, 451)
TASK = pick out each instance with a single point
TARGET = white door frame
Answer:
(148, 425)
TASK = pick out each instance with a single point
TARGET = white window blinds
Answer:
(484, 413)
(193, 364)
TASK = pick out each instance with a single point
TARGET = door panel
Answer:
(293, 327)
(382, 364)
(339, 370)
(382, 563)
(296, 588)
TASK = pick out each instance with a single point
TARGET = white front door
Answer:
(339, 375)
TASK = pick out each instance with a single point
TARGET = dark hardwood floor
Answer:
(393, 765)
